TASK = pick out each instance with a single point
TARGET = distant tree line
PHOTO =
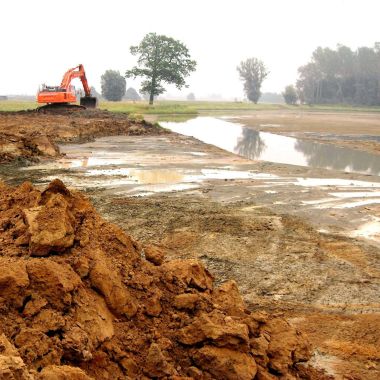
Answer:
(341, 76)
(332, 76)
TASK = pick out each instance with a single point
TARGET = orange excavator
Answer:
(63, 95)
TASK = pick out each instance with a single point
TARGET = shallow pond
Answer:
(264, 146)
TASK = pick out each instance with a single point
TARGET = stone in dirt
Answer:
(13, 281)
(50, 227)
(154, 254)
(190, 273)
(90, 306)
(223, 363)
(186, 301)
(64, 372)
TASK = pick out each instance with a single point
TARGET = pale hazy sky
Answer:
(41, 39)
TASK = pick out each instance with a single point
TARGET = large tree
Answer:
(252, 72)
(113, 85)
(161, 59)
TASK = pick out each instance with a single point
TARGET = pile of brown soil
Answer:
(31, 135)
(80, 299)
(29, 147)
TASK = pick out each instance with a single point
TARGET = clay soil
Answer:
(325, 286)
(81, 300)
(29, 135)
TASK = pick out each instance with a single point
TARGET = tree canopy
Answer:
(252, 72)
(190, 96)
(113, 85)
(341, 76)
(161, 59)
(290, 95)
(95, 93)
(132, 94)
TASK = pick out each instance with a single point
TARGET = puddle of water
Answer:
(162, 188)
(235, 174)
(369, 230)
(326, 203)
(157, 176)
(141, 176)
(356, 194)
(358, 203)
(255, 145)
(270, 125)
(143, 182)
(161, 176)
(318, 201)
(337, 182)
(201, 154)
(370, 197)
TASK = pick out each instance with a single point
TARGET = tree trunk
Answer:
(152, 88)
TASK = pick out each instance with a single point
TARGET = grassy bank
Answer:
(194, 108)
(13, 105)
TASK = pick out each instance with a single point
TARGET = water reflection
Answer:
(176, 118)
(250, 144)
(270, 147)
(325, 155)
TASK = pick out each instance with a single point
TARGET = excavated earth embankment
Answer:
(30, 135)
(81, 299)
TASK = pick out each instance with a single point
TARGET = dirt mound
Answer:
(31, 147)
(80, 299)
(31, 135)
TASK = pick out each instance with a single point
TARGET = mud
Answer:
(29, 135)
(344, 129)
(80, 299)
(301, 243)
(327, 285)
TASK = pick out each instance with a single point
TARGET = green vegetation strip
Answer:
(193, 108)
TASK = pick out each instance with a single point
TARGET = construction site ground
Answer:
(300, 242)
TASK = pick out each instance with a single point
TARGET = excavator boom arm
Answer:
(65, 94)
(76, 72)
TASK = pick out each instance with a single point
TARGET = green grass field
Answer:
(193, 108)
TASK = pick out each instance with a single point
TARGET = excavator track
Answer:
(60, 108)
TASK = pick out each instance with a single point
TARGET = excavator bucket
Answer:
(89, 101)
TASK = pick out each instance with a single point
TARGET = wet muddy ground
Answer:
(299, 240)
(356, 130)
